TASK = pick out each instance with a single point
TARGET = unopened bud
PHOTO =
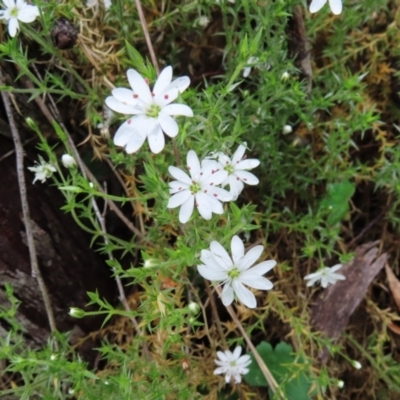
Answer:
(194, 308)
(76, 312)
(356, 364)
(151, 262)
(287, 129)
(68, 161)
(285, 76)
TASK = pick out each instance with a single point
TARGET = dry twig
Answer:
(19, 152)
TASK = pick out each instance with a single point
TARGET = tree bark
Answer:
(69, 266)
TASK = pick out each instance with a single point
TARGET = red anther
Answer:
(152, 94)
(215, 195)
(212, 183)
(129, 121)
(166, 96)
(135, 96)
(205, 191)
(146, 80)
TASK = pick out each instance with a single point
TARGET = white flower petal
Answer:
(238, 155)
(215, 206)
(212, 274)
(139, 85)
(256, 281)
(13, 26)
(124, 133)
(260, 269)
(235, 186)
(125, 96)
(28, 13)
(247, 164)
(163, 80)
(178, 109)
(117, 106)
(250, 258)
(179, 175)
(316, 5)
(247, 177)
(177, 186)
(156, 139)
(221, 255)
(203, 205)
(181, 84)
(336, 6)
(244, 294)
(238, 349)
(168, 124)
(135, 142)
(186, 210)
(218, 194)
(178, 199)
(193, 163)
(336, 267)
(237, 249)
(227, 295)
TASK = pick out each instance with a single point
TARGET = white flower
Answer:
(232, 364)
(151, 110)
(42, 171)
(202, 21)
(200, 188)
(68, 161)
(335, 5)
(250, 63)
(18, 10)
(285, 76)
(237, 170)
(234, 272)
(326, 275)
(340, 384)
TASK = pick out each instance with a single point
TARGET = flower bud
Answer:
(68, 161)
(356, 364)
(285, 76)
(151, 262)
(193, 307)
(287, 129)
(53, 357)
(340, 384)
(76, 312)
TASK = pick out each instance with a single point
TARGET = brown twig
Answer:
(147, 35)
(19, 152)
(215, 312)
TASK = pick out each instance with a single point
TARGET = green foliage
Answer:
(288, 370)
(320, 187)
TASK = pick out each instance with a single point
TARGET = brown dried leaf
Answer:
(394, 328)
(335, 305)
(394, 285)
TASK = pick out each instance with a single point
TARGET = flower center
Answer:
(229, 168)
(234, 272)
(195, 187)
(232, 363)
(14, 12)
(153, 111)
